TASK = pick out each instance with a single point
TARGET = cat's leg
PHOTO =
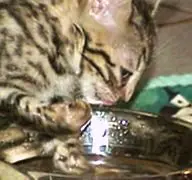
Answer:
(18, 143)
(66, 151)
(67, 154)
(64, 118)
(55, 118)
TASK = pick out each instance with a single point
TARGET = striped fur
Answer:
(57, 56)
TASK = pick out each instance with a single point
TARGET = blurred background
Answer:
(174, 48)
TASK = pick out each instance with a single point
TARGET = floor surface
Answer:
(173, 54)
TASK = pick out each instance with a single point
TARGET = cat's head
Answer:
(112, 49)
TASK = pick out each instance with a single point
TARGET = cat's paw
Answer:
(65, 116)
(68, 158)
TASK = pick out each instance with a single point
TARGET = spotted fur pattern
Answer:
(57, 56)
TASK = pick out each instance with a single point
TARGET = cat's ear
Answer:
(110, 12)
(121, 10)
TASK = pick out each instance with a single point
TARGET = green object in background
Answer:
(158, 93)
(150, 100)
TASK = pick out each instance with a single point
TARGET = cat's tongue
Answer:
(102, 102)
(109, 103)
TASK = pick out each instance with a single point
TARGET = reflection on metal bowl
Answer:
(138, 144)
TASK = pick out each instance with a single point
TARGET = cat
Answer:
(59, 56)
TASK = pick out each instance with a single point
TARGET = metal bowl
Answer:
(126, 144)
(139, 145)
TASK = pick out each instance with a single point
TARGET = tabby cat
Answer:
(59, 56)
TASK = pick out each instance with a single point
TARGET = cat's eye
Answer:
(125, 75)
